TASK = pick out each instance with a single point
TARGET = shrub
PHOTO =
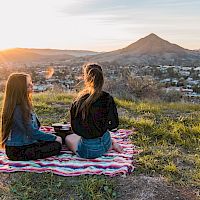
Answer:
(170, 96)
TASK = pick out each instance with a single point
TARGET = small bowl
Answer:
(61, 128)
(57, 125)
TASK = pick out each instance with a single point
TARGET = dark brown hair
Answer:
(93, 83)
(15, 94)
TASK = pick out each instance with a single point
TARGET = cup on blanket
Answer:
(60, 127)
(62, 130)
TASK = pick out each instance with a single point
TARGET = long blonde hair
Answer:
(93, 83)
(15, 94)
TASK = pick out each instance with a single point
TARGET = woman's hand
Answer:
(58, 139)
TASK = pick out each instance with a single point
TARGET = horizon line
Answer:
(96, 51)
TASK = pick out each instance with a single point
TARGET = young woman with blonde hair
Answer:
(20, 127)
(93, 113)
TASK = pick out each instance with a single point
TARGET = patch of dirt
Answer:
(128, 188)
(5, 179)
(150, 188)
(4, 186)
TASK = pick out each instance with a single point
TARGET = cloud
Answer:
(113, 22)
(110, 12)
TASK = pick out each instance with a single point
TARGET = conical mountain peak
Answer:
(152, 44)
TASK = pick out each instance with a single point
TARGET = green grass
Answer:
(139, 107)
(168, 134)
(52, 107)
(51, 187)
(54, 97)
(170, 138)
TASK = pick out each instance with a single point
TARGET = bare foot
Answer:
(117, 147)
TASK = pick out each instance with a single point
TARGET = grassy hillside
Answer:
(168, 134)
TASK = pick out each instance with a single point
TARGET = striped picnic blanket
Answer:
(68, 164)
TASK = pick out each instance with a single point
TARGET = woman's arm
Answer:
(113, 120)
(28, 129)
(39, 135)
(73, 120)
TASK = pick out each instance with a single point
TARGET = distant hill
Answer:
(149, 50)
(26, 55)
(152, 44)
(76, 53)
(23, 55)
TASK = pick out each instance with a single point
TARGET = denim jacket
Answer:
(25, 134)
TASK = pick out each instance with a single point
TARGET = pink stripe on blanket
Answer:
(68, 164)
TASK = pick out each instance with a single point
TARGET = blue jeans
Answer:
(94, 148)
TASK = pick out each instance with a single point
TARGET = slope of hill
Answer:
(168, 167)
(76, 53)
(149, 50)
(24, 55)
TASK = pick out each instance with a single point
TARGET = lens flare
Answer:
(49, 72)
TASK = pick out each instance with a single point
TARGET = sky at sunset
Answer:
(99, 25)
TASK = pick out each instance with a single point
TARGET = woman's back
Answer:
(102, 116)
(92, 114)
